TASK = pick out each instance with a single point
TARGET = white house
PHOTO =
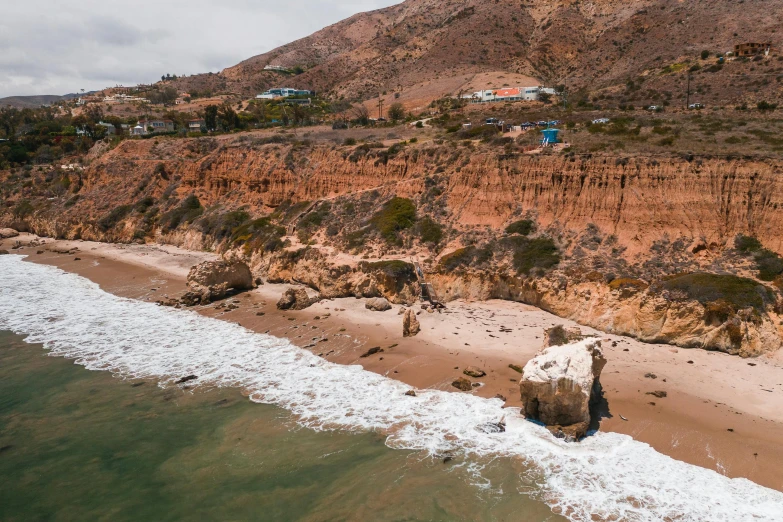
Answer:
(508, 94)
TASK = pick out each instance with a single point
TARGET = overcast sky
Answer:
(56, 47)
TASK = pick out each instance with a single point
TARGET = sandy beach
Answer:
(720, 411)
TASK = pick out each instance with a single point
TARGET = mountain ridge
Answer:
(584, 45)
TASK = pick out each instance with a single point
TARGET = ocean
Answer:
(268, 431)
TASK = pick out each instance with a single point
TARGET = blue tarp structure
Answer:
(550, 136)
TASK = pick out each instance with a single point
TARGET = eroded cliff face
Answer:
(634, 309)
(639, 200)
(470, 190)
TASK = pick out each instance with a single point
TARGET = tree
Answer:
(10, 119)
(227, 117)
(117, 122)
(544, 97)
(210, 116)
(94, 113)
(396, 112)
(259, 111)
(299, 114)
(705, 54)
(360, 114)
(165, 96)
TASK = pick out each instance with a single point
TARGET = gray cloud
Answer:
(47, 47)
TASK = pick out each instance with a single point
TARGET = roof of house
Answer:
(507, 92)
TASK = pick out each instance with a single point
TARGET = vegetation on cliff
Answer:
(185, 213)
(397, 214)
(522, 227)
(768, 263)
(259, 234)
(538, 254)
(737, 292)
(464, 258)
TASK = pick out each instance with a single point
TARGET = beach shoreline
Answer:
(720, 412)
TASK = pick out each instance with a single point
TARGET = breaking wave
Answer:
(606, 477)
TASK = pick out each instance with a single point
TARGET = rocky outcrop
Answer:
(462, 384)
(410, 323)
(7, 233)
(688, 310)
(3, 252)
(559, 335)
(474, 371)
(392, 280)
(212, 280)
(378, 304)
(558, 385)
(296, 299)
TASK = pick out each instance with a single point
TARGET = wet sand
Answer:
(706, 398)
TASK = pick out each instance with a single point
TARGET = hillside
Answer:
(589, 46)
(29, 102)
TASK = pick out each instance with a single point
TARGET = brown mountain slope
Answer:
(582, 44)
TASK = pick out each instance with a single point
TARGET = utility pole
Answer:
(380, 107)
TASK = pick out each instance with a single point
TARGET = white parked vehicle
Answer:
(600, 121)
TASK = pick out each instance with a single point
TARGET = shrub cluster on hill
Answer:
(185, 213)
(397, 214)
(768, 263)
(734, 291)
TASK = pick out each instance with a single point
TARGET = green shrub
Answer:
(627, 282)
(316, 217)
(259, 234)
(23, 209)
(349, 142)
(397, 214)
(746, 244)
(465, 257)
(185, 213)
(538, 253)
(430, 231)
(115, 216)
(522, 227)
(357, 238)
(768, 263)
(396, 269)
(223, 225)
(144, 204)
(739, 292)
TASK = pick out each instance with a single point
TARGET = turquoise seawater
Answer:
(84, 445)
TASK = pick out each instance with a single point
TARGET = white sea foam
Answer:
(606, 477)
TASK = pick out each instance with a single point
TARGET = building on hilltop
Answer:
(153, 127)
(111, 130)
(508, 94)
(196, 125)
(283, 92)
(752, 49)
